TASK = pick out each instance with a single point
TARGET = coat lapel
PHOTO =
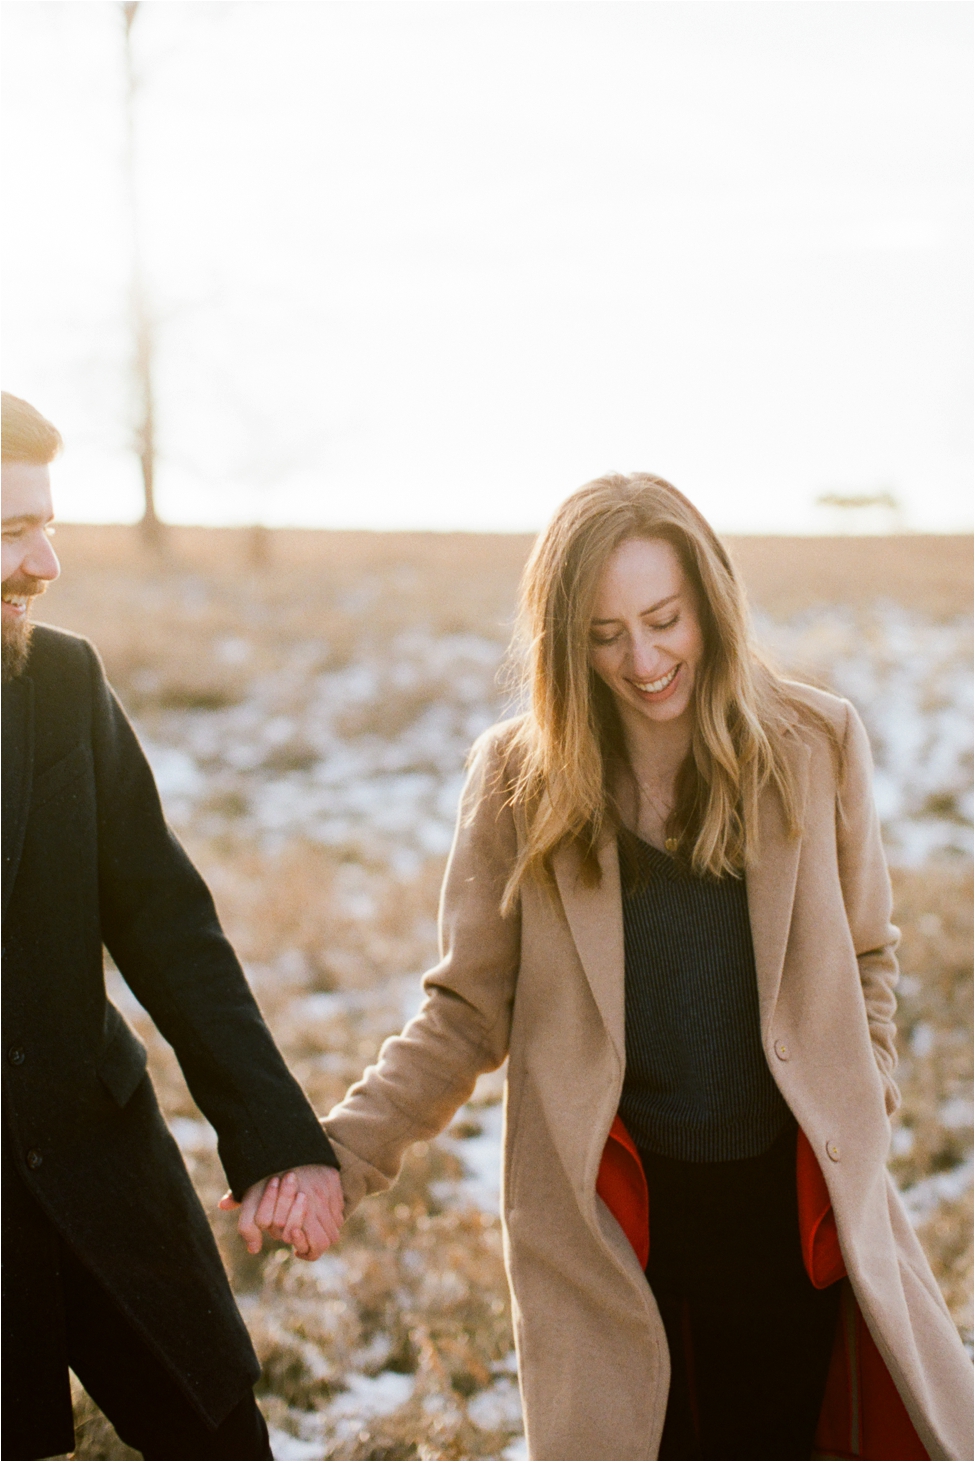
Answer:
(771, 883)
(595, 917)
(18, 774)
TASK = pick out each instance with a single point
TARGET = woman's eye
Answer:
(669, 625)
(603, 639)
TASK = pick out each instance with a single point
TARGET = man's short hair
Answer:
(26, 435)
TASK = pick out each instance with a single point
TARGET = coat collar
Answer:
(595, 915)
(18, 774)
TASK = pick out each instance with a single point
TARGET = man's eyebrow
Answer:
(39, 520)
(652, 609)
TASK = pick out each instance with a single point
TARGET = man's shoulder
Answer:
(63, 666)
(53, 650)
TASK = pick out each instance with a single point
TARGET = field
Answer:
(307, 701)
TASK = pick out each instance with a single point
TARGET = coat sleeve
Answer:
(867, 897)
(161, 928)
(424, 1074)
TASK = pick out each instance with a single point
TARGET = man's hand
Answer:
(303, 1207)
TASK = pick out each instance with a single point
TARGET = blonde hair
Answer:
(26, 435)
(570, 740)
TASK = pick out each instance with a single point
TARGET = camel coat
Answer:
(544, 987)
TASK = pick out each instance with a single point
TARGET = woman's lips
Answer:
(665, 686)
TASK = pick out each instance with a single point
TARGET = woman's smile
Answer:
(661, 688)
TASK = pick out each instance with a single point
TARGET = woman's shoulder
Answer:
(497, 756)
(818, 716)
(813, 704)
(500, 748)
(493, 769)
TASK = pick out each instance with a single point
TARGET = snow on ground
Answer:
(922, 1199)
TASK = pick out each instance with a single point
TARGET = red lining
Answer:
(863, 1417)
(817, 1226)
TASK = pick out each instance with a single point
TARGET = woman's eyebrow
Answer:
(652, 610)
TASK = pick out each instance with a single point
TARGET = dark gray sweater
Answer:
(697, 1084)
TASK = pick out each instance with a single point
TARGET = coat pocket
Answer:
(122, 1064)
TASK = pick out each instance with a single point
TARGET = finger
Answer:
(285, 1215)
(264, 1216)
(287, 1192)
(246, 1224)
(326, 1220)
(228, 1201)
(316, 1237)
(294, 1233)
(295, 1220)
(280, 1229)
(336, 1200)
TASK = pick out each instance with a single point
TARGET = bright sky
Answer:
(435, 265)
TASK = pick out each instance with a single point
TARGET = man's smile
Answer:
(15, 607)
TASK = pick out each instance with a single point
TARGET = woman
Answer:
(667, 905)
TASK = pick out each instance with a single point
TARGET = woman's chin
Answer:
(656, 712)
(671, 710)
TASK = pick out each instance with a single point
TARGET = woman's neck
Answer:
(657, 749)
(655, 753)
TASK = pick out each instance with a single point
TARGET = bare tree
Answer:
(143, 353)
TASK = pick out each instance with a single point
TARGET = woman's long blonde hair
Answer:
(570, 741)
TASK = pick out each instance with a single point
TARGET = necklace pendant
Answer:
(671, 844)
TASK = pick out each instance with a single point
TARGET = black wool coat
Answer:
(88, 860)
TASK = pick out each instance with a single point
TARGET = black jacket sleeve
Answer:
(161, 927)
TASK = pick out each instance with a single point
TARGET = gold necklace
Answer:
(671, 844)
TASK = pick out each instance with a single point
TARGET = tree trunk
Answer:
(145, 432)
(142, 328)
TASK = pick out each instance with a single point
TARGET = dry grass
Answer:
(934, 1136)
(167, 627)
(399, 1345)
(929, 573)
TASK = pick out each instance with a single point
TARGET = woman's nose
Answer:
(648, 662)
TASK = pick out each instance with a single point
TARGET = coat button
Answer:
(34, 1159)
(832, 1152)
(16, 1056)
(781, 1050)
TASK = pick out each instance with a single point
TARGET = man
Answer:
(109, 1264)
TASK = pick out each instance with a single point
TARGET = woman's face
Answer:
(645, 639)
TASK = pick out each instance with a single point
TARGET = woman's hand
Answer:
(303, 1207)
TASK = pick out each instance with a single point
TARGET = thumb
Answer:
(228, 1201)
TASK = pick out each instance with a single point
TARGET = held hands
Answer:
(303, 1207)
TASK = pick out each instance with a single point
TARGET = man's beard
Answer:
(16, 637)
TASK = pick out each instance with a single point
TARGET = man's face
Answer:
(28, 561)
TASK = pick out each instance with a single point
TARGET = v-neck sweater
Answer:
(697, 1085)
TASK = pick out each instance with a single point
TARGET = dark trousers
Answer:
(749, 1337)
(148, 1409)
